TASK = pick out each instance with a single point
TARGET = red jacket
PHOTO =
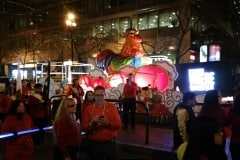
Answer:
(84, 105)
(77, 92)
(5, 103)
(130, 90)
(67, 133)
(20, 147)
(25, 91)
(110, 112)
(36, 109)
(234, 119)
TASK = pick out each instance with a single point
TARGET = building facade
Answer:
(172, 29)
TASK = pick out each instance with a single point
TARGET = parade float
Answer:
(155, 80)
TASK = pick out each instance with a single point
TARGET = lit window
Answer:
(124, 24)
(114, 25)
(168, 19)
(153, 20)
(143, 22)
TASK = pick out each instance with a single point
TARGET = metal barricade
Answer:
(54, 103)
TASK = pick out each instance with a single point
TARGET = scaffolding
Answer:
(62, 70)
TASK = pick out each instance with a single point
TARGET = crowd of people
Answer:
(203, 137)
(195, 137)
(30, 109)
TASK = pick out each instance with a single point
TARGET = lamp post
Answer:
(70, 22)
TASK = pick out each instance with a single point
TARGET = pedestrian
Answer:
(88, 100)
(25, 89)
(78, 93)
(204, 138)
(234, 120)
(5, 103)
(212, 108)
(183, 116)
(11, 90)
(66, 131)
(129, 101)
(101, 121)
(37, 109)
(19, 147)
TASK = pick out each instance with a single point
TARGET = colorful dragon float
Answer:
(155, 79)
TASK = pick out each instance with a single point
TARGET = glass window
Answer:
(153, 20)
(143, 22)
(124, 24)
(107, 27)
(114, 24)
(114, 27)
(168, 19)
(134, 23)
(98, 28)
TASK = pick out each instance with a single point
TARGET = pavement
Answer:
(158, 145)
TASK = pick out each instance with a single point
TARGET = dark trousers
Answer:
(106, 150)
(129, 104)
(73, 151)
(78, 112)
(234, 149)
(38, 137)
(3, 116)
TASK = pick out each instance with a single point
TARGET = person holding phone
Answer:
(101, 121)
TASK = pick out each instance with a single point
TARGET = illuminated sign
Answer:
(214, 53)
(199, 80)
(203, 53)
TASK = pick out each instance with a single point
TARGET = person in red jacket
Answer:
(101, 121)
(19, 147)
(129, 101)
(66, 131)
(88, 100)
(37, 109)
(5, 103)
(78, 93)
(25, 89)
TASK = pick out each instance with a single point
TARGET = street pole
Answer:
(70, 22)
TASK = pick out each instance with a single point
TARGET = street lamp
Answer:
(70, 22)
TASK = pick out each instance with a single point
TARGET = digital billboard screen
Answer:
(200, 77)
(214, 53)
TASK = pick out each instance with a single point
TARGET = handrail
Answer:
(12, 134)
(147, 116)
(58, 96)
